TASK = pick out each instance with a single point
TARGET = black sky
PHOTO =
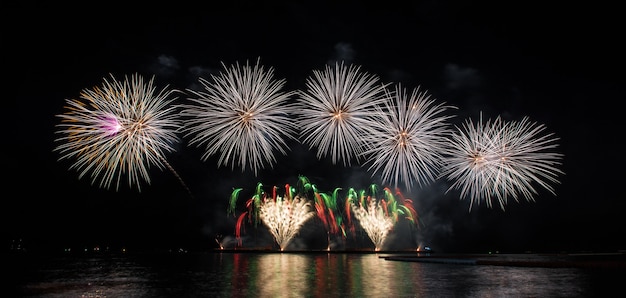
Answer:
(558, 64)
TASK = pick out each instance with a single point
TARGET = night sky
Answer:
(560, 65)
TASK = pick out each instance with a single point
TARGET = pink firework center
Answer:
(110, 125)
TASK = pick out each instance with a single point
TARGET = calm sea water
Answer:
(230, 274)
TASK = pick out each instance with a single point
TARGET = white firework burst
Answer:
(338, 109)
(409, 139)
(118, 131)
(243, 115)
(497, 160)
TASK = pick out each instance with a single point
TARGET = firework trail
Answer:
(252, 209)
(378, 216)
(326, 207)
(337, 110)
(407, 145)
(496, 160)
(243, 115)
(119, 130)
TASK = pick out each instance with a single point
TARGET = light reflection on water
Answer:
(292, 275)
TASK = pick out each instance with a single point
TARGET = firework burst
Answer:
(497, 160)
(119, 130)
(407, 145)
(337, 110)
(378, 215)
(243, 115)
(283, 216)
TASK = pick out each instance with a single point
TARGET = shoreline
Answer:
(600, 260)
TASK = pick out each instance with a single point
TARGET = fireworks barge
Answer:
(575, 260)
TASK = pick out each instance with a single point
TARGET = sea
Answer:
(222, 273)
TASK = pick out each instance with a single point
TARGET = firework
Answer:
(118, 131)
(408, 141)
(283, 216)
(252, 205)
(326, 207)
(337, 110)
(497, 160)
(243, 115)
(378, 216)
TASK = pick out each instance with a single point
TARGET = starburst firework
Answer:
(337, 110)
(407, 144)
(243, 115)
(496, 160)
(118, 130)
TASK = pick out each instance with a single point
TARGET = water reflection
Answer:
(294, 275)
(284, 273)
(370, 275)
(321, 275)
